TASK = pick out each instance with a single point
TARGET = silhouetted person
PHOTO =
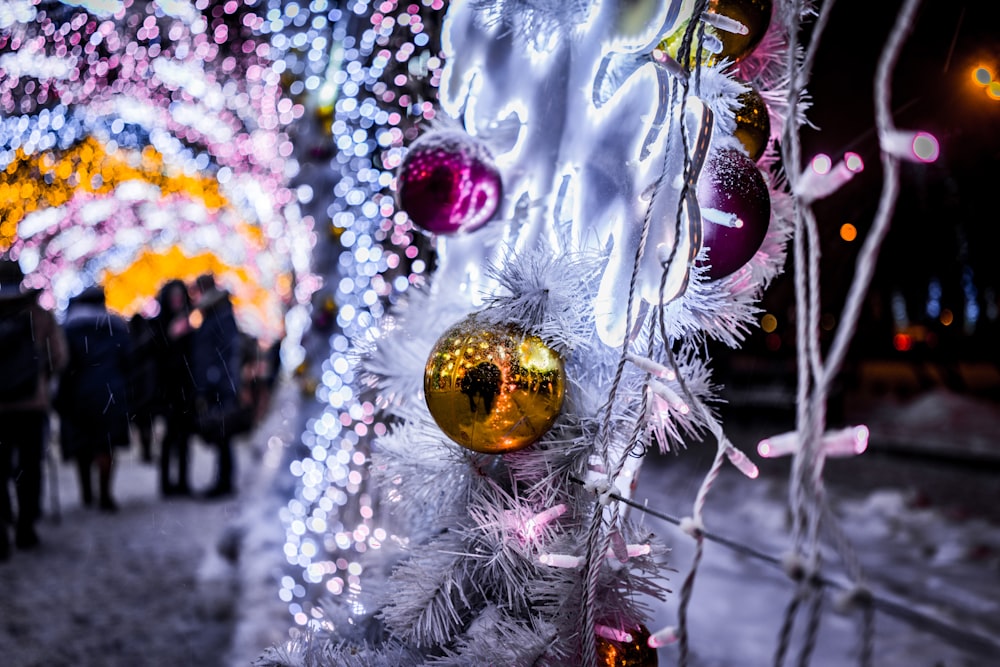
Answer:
(483, 380)
(32, 351)
(216, 356)
(143, 381)
(175, 400)
(93, 392)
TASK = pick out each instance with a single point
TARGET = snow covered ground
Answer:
(926, 530)
(192, 582)
(179, 581)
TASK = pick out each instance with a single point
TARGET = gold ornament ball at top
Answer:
(754, 14)
(492, 388)
(753, 124)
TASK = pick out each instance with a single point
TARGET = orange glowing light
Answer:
(53, 178)
(982, 75)
(848, 232)
(947, 317)
(993, 90)
(258, 308)
(902, 342)
(769, 323)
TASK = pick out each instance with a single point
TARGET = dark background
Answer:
(946, 226)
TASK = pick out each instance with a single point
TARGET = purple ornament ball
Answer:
(448, 183)
(731, 184)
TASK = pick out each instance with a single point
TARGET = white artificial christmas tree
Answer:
(596, 213)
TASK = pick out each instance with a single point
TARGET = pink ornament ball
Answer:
(448, 183)
(732, 184)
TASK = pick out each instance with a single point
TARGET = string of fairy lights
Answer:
(379, 76)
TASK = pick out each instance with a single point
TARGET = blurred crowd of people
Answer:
(186, 371)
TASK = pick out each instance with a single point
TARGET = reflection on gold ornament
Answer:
(671, 45)
(753, 124)
(636, 653)
(492, 388)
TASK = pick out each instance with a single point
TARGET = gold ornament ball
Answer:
(754, 14)
(492, 388)
(753, 124)
(636, 653)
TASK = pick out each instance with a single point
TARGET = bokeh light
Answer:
(366, 93)
(848, 232)
(137, 127)
(982, 75)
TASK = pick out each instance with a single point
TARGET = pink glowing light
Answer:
(854, 163)
(908, 145)
(532, 528)
(846, 442)
(742, 462)
(614, 634)
(821, 164)
(664, 637)
(925, 147)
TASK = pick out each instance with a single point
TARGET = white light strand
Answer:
(724, 23)
(651, 367)
(842, 443)
(614, 634)
(806, 495)
(815, 183)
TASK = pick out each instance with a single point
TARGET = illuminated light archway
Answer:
(104, 208)
(142, 140)
(51, 179)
